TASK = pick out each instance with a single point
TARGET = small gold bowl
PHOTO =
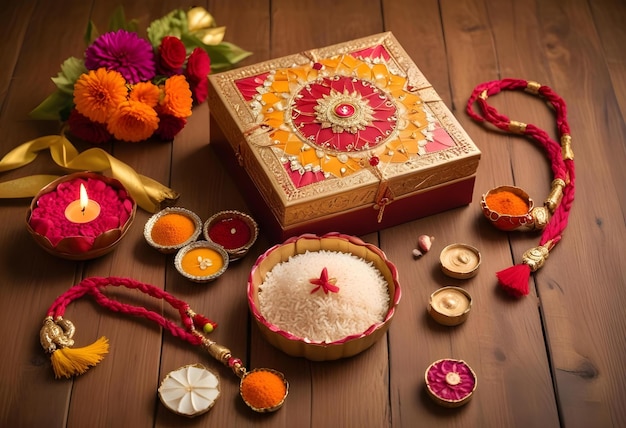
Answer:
(168, 249)
(450, 305)
(233, 230)
(81, 247)
(264, 409)
(201, 261)
(460, 261)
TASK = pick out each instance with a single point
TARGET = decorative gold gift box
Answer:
(349, 138)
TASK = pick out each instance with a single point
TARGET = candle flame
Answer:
(84, 199)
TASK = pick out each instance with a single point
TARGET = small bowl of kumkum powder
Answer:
(508, 208)
(172, 228)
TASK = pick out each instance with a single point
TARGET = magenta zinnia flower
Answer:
(125, 52)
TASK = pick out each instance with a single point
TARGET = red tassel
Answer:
(515, 279)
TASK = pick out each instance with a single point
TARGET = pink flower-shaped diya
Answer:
(81, 216)
(450, 382)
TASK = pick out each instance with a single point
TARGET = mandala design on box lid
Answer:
(335, 116)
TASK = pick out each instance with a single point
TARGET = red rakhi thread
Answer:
(515, 279)
(56, 333)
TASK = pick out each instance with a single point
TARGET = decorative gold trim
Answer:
(517, 127)
(291, 205)
(532, 87)
(566, 147)
(554, 198)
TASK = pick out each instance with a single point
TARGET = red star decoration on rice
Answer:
(325, 283)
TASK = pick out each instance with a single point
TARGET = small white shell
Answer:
(190, 390)
(424, 242)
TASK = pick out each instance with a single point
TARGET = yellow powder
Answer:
(202, 262)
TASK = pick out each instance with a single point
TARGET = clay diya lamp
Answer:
(235, 231)
(81, 216)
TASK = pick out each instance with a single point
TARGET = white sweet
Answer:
(190, 390)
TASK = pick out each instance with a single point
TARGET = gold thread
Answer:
(517, 127)
(566, 147)
(532, 87)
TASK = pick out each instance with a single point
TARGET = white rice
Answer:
(285, 298)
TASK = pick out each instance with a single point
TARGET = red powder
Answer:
(230, 233)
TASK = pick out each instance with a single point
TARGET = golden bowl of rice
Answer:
(323, 297)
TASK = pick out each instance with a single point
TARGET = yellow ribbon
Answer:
(148, 193)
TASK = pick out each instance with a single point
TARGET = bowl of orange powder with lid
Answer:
(508, 208)
(172, 228)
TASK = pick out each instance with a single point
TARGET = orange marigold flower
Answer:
(145, 92)
(98, 93)
(177, 100)
(133, 121)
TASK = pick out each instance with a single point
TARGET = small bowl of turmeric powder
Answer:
(264, 390)
(172, 228)
(201, 261)
(508, 208)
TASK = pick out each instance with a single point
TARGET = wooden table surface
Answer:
(553, 358)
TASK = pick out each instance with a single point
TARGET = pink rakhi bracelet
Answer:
(57, 332)
(558, 204)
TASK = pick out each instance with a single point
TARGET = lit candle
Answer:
(450, 305)
(82, 210)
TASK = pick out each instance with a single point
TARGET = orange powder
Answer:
(505, 202)
(263, 389)
(202, 262)
(172, 229)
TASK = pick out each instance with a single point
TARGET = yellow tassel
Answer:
(68, 362)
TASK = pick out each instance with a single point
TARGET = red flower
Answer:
(172, 55)
(198, 69)
(86, 129)
(324, 283)
(169, 126)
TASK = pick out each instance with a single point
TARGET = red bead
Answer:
(374, 160)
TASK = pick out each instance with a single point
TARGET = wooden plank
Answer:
(502, 339)
(581, 274)
(552, 358)
(31, 281)
(321, 393)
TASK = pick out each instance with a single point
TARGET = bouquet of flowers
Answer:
(128, 88)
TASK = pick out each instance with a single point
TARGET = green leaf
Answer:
(223, 55)
(231, 53)
(91, 33)
(54, 107)
(71, 69)
(172, 24)
(117, 21)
